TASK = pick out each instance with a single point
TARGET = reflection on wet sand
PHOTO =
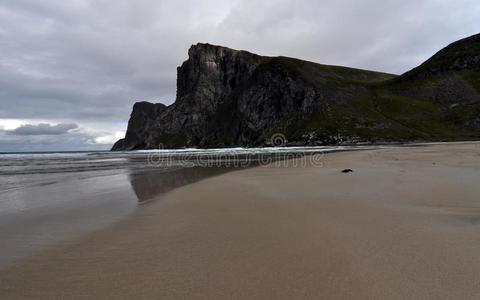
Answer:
(152, 182)
(149, 184)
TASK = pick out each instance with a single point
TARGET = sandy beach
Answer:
(405, 224)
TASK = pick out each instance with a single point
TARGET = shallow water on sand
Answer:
(46, 198)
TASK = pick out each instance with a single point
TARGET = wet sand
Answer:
(404, 225)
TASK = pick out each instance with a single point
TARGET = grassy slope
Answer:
(378, 114)
(381, 113)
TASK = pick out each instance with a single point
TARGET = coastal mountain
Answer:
(228, 98)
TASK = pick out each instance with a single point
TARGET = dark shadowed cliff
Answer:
(227, 98)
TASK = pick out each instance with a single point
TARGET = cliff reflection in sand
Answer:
(149, 184)
(152, 182)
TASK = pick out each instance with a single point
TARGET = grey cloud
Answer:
(43, 129)
(71, 140)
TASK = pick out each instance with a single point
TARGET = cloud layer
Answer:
(48, 137)
(43, 129)
(87, 62)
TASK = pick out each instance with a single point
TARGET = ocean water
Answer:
(47, 198)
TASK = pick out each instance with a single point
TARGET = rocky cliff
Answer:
(227, 97)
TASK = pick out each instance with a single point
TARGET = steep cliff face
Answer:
(144, 115)
(227, 97)
(204, 82)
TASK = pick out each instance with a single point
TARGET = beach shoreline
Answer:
(404, 224)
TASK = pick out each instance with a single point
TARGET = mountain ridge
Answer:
(228, 97)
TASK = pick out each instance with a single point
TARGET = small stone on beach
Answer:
(347, 171)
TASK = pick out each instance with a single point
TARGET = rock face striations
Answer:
(230, 98)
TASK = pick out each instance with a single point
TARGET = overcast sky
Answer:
(70, 71)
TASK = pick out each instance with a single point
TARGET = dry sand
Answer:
(404, 225)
